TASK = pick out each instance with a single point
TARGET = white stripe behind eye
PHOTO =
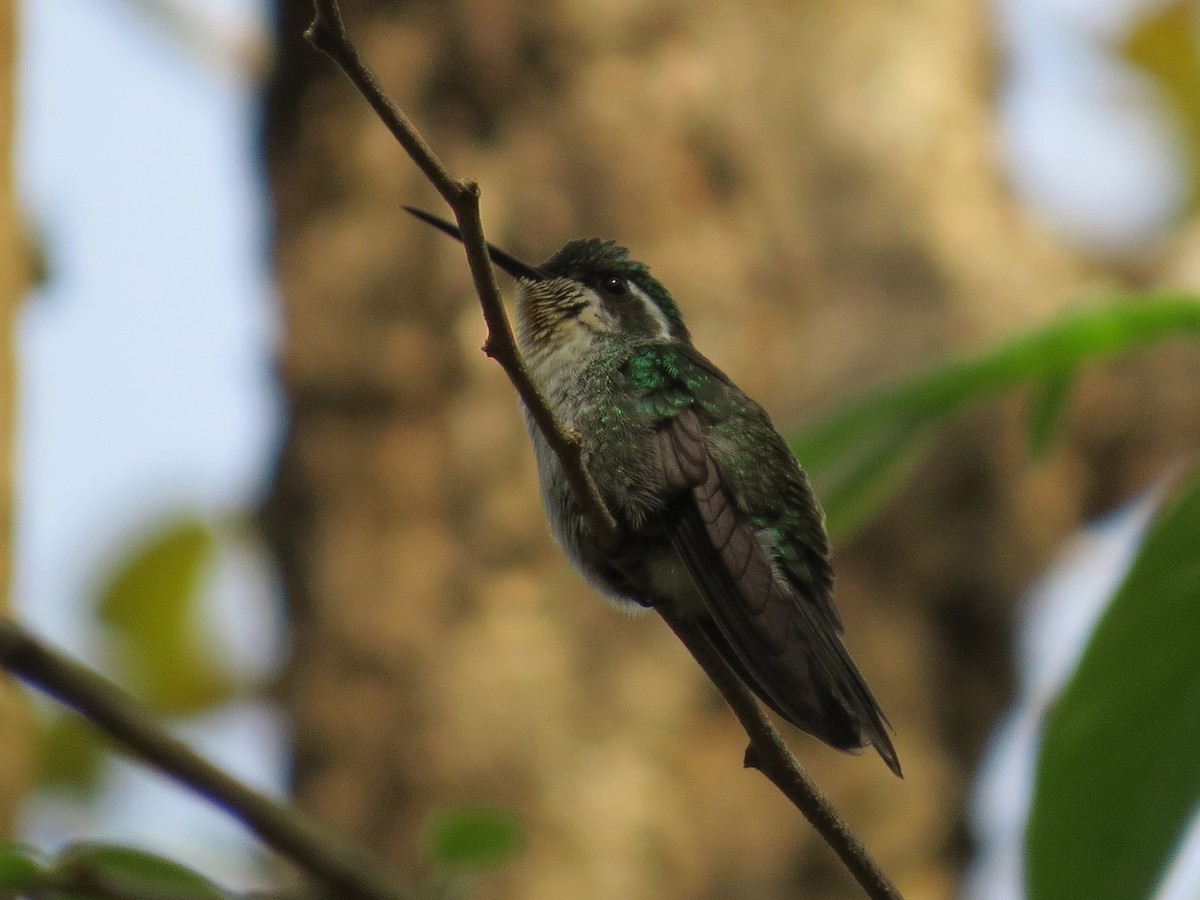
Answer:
(656, 313)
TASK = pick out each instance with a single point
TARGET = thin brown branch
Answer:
(343, 870)
(767, 752)
(771, 757)
(328, 34)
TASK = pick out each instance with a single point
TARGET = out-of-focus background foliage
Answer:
(267, 480)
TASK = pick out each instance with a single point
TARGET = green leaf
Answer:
(20, 868)
(474, 837)
(1166, 46)
(872, 479)
(1046, 411)
(856, 455)
(1119, 769)
(150, 607)
(114, 870)
(70, 754)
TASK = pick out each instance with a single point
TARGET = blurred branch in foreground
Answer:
(343, 869)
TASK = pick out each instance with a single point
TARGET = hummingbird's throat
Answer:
(553, 316)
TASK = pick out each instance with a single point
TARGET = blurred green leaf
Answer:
(851, 501)
(1046, 410)
(127, 872)
(474, 837)
(70, 754)
(857, 455)
(150, 607)
(1119, 771)
(1166, 46)
(20, 868)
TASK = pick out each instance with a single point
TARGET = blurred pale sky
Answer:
(145, 376)
(146, 388)
(1090, 149)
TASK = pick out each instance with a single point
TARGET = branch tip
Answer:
(750, 757)
(327, 28)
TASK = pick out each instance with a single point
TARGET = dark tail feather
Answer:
(829, 720)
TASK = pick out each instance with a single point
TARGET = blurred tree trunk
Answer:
(816, 184)
(15, 722)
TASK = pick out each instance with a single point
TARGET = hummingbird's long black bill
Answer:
(506, 261)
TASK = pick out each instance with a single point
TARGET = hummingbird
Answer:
(717, 518)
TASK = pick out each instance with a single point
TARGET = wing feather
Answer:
(782, 643)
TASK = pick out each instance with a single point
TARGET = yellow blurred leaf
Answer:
(69, 754)
(1166, 46)
(149, 605)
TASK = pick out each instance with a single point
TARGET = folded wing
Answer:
(783, 644)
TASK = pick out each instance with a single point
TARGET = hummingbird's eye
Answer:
(613, 284)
